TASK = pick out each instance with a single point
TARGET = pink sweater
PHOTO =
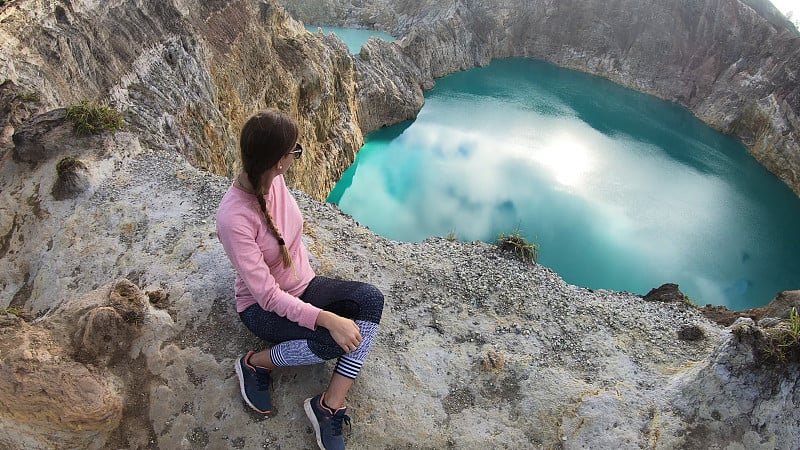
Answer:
(254, 252)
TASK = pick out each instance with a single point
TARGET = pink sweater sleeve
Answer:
(239, 229)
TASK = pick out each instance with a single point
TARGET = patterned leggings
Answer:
(299, 346)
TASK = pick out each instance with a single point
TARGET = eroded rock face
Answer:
(50, 396)
(16, 106)
(389, 86)
(735, 392)
(104, 334)
(187, 75)
(39, 139)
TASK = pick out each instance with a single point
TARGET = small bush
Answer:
(451, 236)
(30, 96)
(13, 310)
(519, 246)
(17, 312)
(94, 118)
(783, 341)
(794, 324)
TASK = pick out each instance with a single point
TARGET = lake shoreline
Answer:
(620, 190)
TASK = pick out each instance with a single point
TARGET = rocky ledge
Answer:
(125, 334)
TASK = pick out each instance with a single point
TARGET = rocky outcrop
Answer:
(712, 397)
(58, 387)
(389, 86)
(780, 307)
(734, 64)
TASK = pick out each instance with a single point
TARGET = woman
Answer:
(309, 318)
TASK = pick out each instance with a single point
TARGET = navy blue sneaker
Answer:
(327, 423)
(254, 382)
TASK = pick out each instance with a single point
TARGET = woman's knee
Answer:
(370, 298)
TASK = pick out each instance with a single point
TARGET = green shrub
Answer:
(782, 342)
(94, 118)
(17, 312)
(794, 325)
(29, 97)
(519, 246)
(13, 310)
(451, 236)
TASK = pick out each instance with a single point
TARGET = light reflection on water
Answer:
(621, 191)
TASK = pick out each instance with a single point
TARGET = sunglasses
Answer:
(298, 151)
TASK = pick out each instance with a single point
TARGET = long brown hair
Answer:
(265, 139)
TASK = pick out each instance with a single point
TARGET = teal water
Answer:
(353, 38)
(621, 190)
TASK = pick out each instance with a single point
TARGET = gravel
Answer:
(472, 292)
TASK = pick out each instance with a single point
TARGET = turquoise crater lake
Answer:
(621, 190)
(354, 38)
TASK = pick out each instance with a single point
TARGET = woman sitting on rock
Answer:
(309, 318)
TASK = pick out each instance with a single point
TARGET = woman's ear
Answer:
(284, 162)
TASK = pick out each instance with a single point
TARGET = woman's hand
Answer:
(343, 330)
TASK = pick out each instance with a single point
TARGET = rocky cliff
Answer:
(186, 74)
(117, 320)
(735, 64)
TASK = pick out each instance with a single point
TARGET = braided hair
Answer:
(265, 139)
